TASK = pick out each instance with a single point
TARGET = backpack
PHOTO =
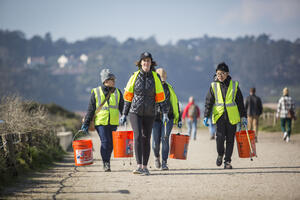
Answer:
(193, 112)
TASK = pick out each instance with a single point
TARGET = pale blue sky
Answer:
(166, 20)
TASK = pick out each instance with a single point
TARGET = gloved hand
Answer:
(165, 118)
(244, 121)
(123, 119)
(205, 121)
(85, 128)
(238, 127)
(179, 124)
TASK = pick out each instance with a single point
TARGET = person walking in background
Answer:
(160, 135)
(106, 102)
(224, 101)
(192, 113)
(144, 89)
(286, 112)
(254, 109)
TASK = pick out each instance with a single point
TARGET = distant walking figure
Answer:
(192, 113)
(286, 112)
(254, 109)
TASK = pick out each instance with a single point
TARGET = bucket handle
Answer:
(125, 124)
(80, 131)
(250, 144)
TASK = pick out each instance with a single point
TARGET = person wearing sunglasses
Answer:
(224, 101)
(106, 103)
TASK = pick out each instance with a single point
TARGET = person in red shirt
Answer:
(192, 113)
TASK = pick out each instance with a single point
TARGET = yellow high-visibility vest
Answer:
(219, 106)
(110, 111)
(159, 90)
(174, 103)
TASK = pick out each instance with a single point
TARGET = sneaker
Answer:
(106, 167)
(287, 139)
(145, 172)
(285, 135)
(212, 137)
(227, 165)
(157, 163)
(138, 171)
(219, 160)
(164, 165)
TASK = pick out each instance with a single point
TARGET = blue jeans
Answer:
(192, 128)
(211, 127)
(158, 133)
(105, 134)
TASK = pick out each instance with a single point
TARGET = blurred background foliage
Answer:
(259, 62)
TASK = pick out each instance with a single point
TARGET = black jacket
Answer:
(210, 99)
(253, 105)
(92, 105)
(143, 102)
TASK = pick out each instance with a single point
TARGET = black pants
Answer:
(225, 131)
(142, 128)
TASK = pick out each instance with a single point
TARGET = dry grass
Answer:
(21, 116)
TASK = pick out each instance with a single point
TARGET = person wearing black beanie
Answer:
(224, 101)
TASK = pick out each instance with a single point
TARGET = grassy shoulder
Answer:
(39, 147)
(272, 125)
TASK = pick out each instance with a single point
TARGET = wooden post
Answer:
(24, 148)
(11, 161)
(274, 119)
(3, 145)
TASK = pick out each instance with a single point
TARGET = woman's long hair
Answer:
(152, 67)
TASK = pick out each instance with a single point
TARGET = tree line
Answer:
(269, 65)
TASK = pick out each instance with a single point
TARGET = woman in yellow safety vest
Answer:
(159, 134)
(106, 102)
(144, 89)
(224, 101)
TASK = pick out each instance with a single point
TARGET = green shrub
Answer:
(41, 121)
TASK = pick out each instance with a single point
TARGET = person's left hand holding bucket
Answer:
(83, 149)
(85, 128)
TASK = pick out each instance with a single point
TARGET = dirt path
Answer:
(274, 174)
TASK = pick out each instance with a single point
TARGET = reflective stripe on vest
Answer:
(108, 111)
(230, 105)
(174, 103)
(159, 90)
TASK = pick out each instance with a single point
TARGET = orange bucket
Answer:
(123, 144)
(243, 143)
(179, 146)
(83, 152)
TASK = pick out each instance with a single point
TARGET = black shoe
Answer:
(106, 167)
(157, 162)
(219, 160)
(227, 165)
(164, 165)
